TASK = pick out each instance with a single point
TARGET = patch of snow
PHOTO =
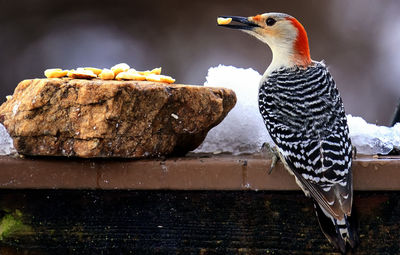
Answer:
(371, 139)
(243, 130)
(6, 142)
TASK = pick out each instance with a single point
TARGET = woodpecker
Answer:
(304, 115)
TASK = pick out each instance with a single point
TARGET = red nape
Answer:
(301, 43)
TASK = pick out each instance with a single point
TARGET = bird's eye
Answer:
(270, 21)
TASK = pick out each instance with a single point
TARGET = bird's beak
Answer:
(245, 24)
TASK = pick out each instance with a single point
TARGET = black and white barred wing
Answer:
(323, 174)
(304, 115)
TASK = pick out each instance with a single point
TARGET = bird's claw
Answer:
(274, 159)
(273, 152)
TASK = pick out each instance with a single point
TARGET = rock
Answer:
(95, 118)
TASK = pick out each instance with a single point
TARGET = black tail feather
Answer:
(352, 225)
(332, 233)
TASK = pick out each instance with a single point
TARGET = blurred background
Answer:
(359, 40)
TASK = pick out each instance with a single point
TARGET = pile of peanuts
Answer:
(118, 72)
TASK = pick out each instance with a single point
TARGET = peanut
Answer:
(224, 21)
(130, 76)
(81, 73)
(107, 74)
(55, 73)
(154, 71)
(160, 78)
(96, 71)
(119, 68)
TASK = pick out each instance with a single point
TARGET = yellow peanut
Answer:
(95, 70)
(160, 78)
(119, 68)
(107, 74)
(55, 73)
(81, 73)
(224, 21)
(130, 76)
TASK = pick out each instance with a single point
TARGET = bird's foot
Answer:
(273, 153)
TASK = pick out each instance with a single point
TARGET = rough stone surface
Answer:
(95, 118)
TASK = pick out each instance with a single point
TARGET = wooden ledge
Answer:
(194, 172)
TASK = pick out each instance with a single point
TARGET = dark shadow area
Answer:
(187, 222)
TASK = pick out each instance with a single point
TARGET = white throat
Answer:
(281, 57)
(281, 45)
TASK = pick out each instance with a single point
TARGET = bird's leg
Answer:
(274, 159)
(273, 152)
(354, 151)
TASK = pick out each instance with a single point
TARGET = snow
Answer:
(6, 143)
(243, 130)
(372, 139)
